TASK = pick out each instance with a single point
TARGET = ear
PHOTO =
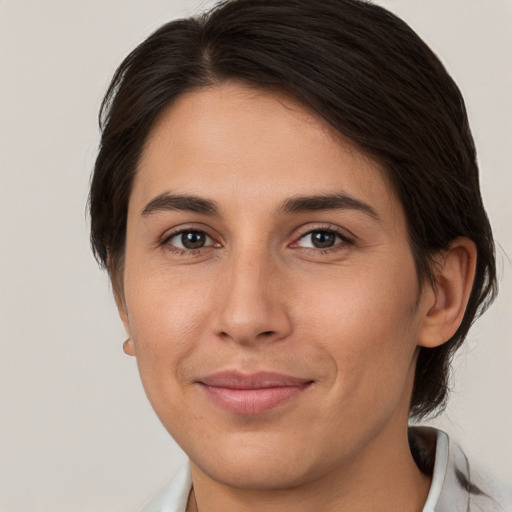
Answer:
(445, 302)
(121, 309)
(116, 279)
(128, 346)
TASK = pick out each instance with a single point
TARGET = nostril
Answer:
(266, 334)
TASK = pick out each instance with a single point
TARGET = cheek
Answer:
(167, 321)
(367, 324)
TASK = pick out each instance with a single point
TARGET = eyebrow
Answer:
(337, 201)
(171, 202)
(190, 203)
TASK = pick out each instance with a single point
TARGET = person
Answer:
(286, 199)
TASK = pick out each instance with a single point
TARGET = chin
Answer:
(244, 464)
(258, 475)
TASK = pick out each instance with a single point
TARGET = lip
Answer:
(249, 394)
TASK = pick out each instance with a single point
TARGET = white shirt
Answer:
(455, 486)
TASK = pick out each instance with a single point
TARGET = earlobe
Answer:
(128, 347)
(445, 303)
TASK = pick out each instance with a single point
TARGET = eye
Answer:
(320, 239)
(189, 240)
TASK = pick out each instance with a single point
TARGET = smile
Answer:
(251, 394)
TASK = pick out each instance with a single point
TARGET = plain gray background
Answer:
(76, 431)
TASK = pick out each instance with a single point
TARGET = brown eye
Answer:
(320, 239)
(193, 239)
(190, 240)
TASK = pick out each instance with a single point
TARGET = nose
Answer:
(251, 305)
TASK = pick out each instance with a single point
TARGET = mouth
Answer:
(249, 394)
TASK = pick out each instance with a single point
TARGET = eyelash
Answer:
(187, 252)
(319, 229)
(329, 229)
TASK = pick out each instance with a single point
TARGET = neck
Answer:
(384, 478)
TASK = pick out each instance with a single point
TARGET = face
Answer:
(269, 289)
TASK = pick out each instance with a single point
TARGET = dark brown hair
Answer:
(357, 66)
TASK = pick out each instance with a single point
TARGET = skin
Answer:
(260, 296)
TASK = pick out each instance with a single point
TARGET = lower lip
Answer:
(252, 401)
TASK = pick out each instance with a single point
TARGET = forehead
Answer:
(232, 142)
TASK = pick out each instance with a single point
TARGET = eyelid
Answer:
(310, 227)
(180, 228)
(178, 233)
(346, 236)
(164, 241)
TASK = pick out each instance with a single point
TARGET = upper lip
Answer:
(259, 380)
